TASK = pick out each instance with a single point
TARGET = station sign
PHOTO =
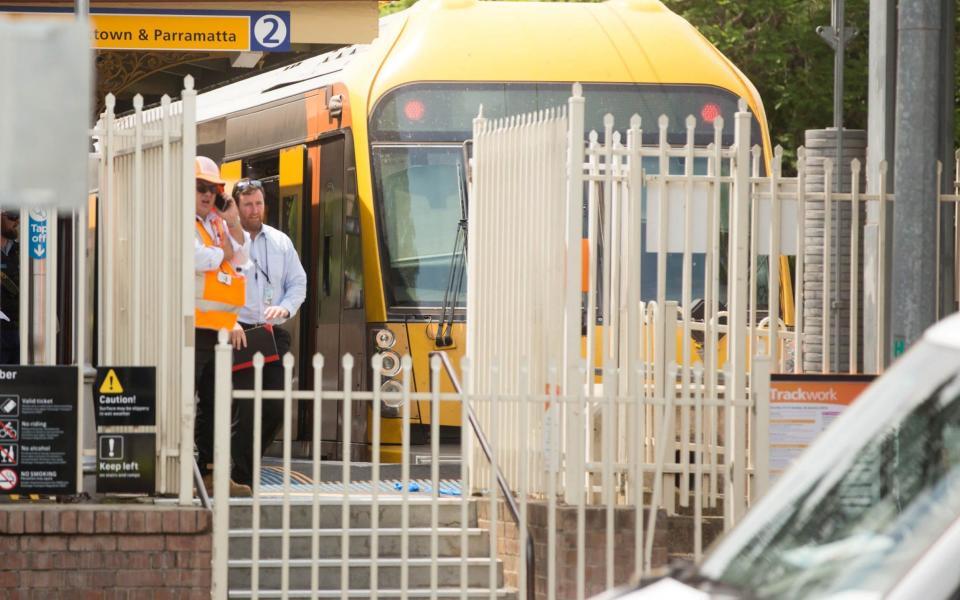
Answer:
(38, 430)
(37, 234)
(180, 30)
(126, 397)
(802, 406)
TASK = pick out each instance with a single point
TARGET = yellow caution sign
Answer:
(111, 384)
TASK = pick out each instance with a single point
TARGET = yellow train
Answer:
(362, 153)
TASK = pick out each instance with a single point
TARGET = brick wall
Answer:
(508, 547)
(111, 552)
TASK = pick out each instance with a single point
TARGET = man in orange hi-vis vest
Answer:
(221, 247)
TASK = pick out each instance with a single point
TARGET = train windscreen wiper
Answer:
(458, 269)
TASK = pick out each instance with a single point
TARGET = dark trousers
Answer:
(9, 346)
(203, 375)
(271, 422)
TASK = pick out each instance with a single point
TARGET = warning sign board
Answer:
(125, 396)
(126, 463)
(802, 406)
(38, 430)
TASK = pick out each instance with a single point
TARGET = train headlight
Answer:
(390, 364)
(390, 405)
(385, 339)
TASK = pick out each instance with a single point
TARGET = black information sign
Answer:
(126, 463)
(38, 430)
(125, 396)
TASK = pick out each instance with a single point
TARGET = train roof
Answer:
(617, 41)
(446, 40)
(273, 85)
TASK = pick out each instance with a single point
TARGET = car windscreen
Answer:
(858, 519)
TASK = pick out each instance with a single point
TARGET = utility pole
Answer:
(948, 251)
(837, 35)
(914, 277)
(881, 113)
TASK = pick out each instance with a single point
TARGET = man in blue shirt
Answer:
(276, 287)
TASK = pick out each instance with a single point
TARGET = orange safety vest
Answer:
(220, 294)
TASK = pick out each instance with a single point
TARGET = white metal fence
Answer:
(718, 219)
(325, 529)
(625, 424)
(334, 508)
(145, 239)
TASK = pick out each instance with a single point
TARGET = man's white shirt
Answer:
(208, 258)
(274, 275)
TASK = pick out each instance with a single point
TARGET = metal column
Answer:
(914, 274)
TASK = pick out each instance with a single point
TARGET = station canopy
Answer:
(147, 47)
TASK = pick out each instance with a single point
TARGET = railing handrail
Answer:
(501, 480)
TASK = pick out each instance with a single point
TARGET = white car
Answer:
(871, 510)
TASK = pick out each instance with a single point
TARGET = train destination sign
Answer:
(38, 430)
(199, 30)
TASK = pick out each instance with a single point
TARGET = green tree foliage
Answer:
(775, 44)
(387, 8)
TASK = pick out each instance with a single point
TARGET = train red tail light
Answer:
(709, 112)
(414, 110)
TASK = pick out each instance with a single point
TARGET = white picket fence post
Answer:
(145, 216)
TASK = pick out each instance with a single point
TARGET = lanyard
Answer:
(266, 259)
(211, 228)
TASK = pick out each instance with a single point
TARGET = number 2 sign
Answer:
(270, 31)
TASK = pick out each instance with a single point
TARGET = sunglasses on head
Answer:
(207, 188)
(246, 185)
(12, 215)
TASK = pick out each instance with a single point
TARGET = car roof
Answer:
(945, 332)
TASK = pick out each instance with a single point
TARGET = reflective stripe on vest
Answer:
(220, 294)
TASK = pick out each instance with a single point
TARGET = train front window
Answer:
(419, 191)
(416, 133)
(444, 112)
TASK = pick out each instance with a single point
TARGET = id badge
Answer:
(224, 278)
(268, 296)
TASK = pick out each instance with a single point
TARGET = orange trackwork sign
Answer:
(802, 406)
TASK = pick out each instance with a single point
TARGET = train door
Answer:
(282, 176)
(290, 214)
(341, 321)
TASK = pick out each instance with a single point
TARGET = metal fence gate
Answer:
(144, 225)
